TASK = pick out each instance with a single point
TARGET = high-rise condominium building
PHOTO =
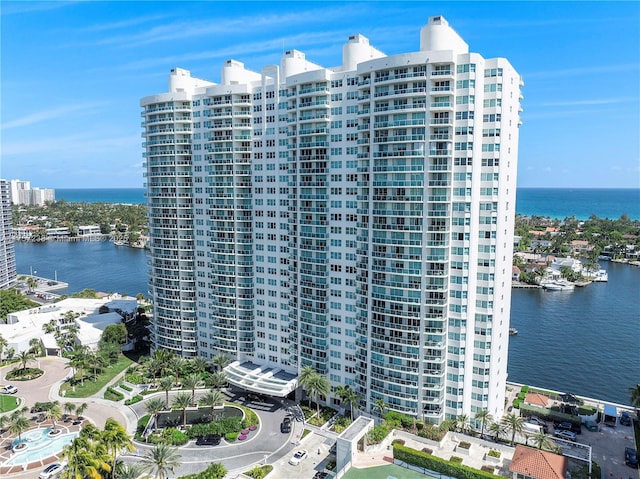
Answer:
(7, 253)
(357, 219)
(23, 194)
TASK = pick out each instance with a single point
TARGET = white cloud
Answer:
(46, 115)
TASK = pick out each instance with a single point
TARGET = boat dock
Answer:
(519, 284)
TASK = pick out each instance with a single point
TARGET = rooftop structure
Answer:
(357, 219)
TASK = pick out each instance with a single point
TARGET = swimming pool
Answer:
(41, 446)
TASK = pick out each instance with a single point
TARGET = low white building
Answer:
(23, 326)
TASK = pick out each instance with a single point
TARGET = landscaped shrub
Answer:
(134, 378)
(377, 434)
(341, 424)
(214, 471)
(169, 435)
(464, 445)
(432, 432)
(331, 465)
(586, 410)
(522, 395)
(133, 400)
(259, 472)
(524, 389)
(433, 463)
(125, 387)
(427, 450)
(396, 419)
(113, 395)
(305, 433)
(398, 441)
(517, 403)
(456, 459)
(494, 453)
(231, 436)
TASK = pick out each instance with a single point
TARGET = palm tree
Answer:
(380, 405)
(348, 396)
(153, 406)
(306, 378)
(80, 410)
(496, 429)
(69, 407)
(462, 423)
(513, 423)
(34, 346)
(199, 364)
(212, 399)
(161, 460)
(543, 441)
(18, 424)
(634, 397)
(86, 457)
(220, 361)
(165, 384)
(24, 357)
(175, 365)
(318, 387)
(115, 439)
(192, 381)
(3, 344)
(154, 367)
(182, 401)
(218, 379)
(127, 471)
(484, 416)
(53, 414)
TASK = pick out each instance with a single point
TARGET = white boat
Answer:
(600, 275)
(558, 285)
(513, 331)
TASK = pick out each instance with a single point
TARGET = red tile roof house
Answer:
(536, 399)
(529, 463)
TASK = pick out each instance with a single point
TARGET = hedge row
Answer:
(113, 395)
(133, 400)
(426, 461)
(548, 415)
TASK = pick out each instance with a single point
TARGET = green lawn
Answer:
(90, 387)
(8, 403)
(383, 472)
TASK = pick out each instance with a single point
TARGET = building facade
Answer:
(8, 274)
(23, 194)
(357, 219)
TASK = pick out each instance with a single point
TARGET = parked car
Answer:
(320, 475)
(208, 440)
(539, 422)
(285, 426)
(298, 457)
(566, 435)
(8, 389)
(52, 470)
(566, 425)
(630, 457)
(625, 419)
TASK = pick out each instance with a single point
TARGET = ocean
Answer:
(552, 202)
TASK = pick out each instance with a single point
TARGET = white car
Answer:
(8, 389)
(298, 457)
(52, 470)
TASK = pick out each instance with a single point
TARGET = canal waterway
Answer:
(585, 341)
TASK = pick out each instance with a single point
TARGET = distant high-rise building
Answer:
(7, 253)
(358, 219)
(23, 194)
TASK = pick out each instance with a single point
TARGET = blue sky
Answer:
(72, 75)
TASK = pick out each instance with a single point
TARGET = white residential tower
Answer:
(358, 219)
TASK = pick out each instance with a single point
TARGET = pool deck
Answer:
(6, 451)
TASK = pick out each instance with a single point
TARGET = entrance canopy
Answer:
(261, 379)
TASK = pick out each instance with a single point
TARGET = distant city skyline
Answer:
(73, 73)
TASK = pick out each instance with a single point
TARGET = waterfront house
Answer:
(530, 463)
(581, 247)
(535, 399)
(87, 231)
(515, 273)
